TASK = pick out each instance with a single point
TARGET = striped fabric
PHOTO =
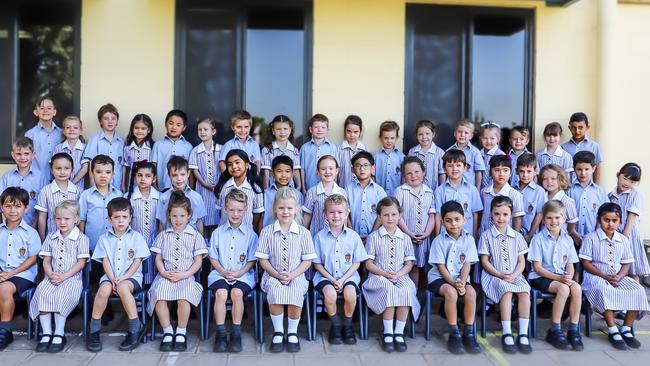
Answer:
(50, 196)
(488, 194)
(315, 203)
(632, 201)
(76, 152)
(144, 222)
(486, 179)
(346, 152)
(569, 205)
(206, 162)
(559, 157)
(133, 153)
(432, 160)
(417, 207)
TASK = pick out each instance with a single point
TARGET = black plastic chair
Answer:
(363, 328)
(27, 296)
(536, 294)
(430, 297)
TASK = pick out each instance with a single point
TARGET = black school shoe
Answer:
(618, 344)
(277, 347)
(220, 343)
(235, 343)
(348, 335)
(575, 339)
(470, 343)
(57, 347)
(400, 346)
(42, 346)
(628, 338)
(388, 346)
(455, 343)
(508, 348)
(132, 340)
(524, 348)
(180, 344)
(93, 342)
(557, 339)
(6, 337)
(293, 347)
(334, 336)
(167, 346)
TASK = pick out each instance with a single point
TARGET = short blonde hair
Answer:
(335, 199)
(69, 206)
(284, 194)
(465, 123)
(236, 195)
(554, 206)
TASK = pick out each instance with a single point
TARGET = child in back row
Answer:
(74, 146)
(138, 145)
(281, 130)
(107, 142)
(389, 159)
(45, 134)
(203, 163)
(429, 153)
(242, 125)
(490, 139)
(314, 149)
(61, 189)
(533, 195)
(588, 195)
(553, 153)
(313, 214)
(173, 144)
(500, 172)
(282, 171)
(463, 133)
(363, 195)
(579, 126)
(519, 139)
(349, 147)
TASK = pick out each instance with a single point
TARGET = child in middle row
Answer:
(313, 217)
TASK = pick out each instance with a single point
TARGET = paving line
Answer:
(495, 353)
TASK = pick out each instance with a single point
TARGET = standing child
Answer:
(314, 149)
(121, 251)
(17, 257)
(579, 126)
(313, 214)
(350, 146)
(241, 124)
(519, 139)
(339, 253)
(61, 189)
(502, 250)
(232, 255)
(606, 257)
(107, 142)
(64, 252)
(74, 146)
(389, 159)
(419, 220)
(363, 195)
(46, 134)
(490, 139)
(179, 255)
(283, 172)
(204, 165)
(281, 128)
(588, 195)
(552, 255)
(173, 144)
(629, 198)
(533, 195)
(285, 252)
(389, 290)
(451, 258)
(139, 143)
(554, 181)
(241, 174)
(553, 153)
(500, 172)
(427, 151)
(463, 133)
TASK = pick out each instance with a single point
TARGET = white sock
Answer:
(523, 326)
(624, 329)
(388, 329)
(614, 329)
(292, 327)
(399, 329)
(180, 330)
(505, 327)
(59, 328)
(45, 320)
(168, 330)
(278, 326)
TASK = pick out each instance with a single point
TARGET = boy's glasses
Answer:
(362, 166)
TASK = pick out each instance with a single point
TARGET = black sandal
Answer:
(167, 346)
(619, 344)
(400, 346)
(180, 346)
(57, 347)
(388, 346)
(508, 348)
(277, 347)
(43, 346)
(630, 340)
(524, 348)
(291, 346)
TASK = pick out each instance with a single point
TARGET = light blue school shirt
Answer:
(362, 202)
(32, 182)
(534, 198)
(44, 143)
(121, 252)
(92, 210)
(474, 160)
(586, 144)
(588, 199)
(453, 253)
(338, 253)
(310, 152)
(388, 169)
(99, 144)
(233, 248)
(514, 178)
(17, 246)
(198, 207)
(251, 147)
(269, 197)
(553, 254)
(162, 151)
(466, 194)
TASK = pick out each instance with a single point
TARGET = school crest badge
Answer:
(530, 208)
(465, 206)
(242, 258)
(348, 258)
(373, 207)
(22, 251)
(251, 158)
(397, 170)
(32, 194)
(462, 257)
(131, 253)
(595, 206)
(119, 158)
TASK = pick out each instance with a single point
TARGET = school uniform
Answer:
(50, 197)
(268, 154)
(389, 253)
(32, 182)
(432, 160)
(162, 151)
(18, 245)
(488, 194)
(196, 202)
(514, 178)
(503, 251)
(133, 153)
(466, 194)
(255, 200)
(310, 153)
(586, 144)
(534, 197)
(205, 161)
(345, 154)
(177, 251)
(587, 199)
(121, 252)
(269, 198)
(250, 146)
(144, 222)
(362, 202)
(315, 203)
(100, 144)
(64, 252)
(44, 143)
(233, 248)
(388, 165)
(453, 253)
(92, 210)
(474, 161)
(337, 254)
(569, 207)
(417, 206)
(487, 155)
(632, 201)
(76, 152)
(285, 251)
(609, 255)
(553, 255)
(559, 157)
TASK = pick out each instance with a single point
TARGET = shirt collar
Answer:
(602, 236)
(111, 189)
(239, 228)
(102, 135)
(77, 146)
(134, 145)
(455, 146)
(112, 231)
(72, 188)
(293, 228)
(325, 141)
(432, 149)
(492, 151)
(344, 231)
(181, 138)
(425, 188)
(32, 169)
(290, 147)
(510, 231)
(231, 183)
(547, 234)
(23, 225)
(558, 152)
(320, 189)
(532, 185)
(188, 230)
(462, 182)
(559, 195)
(505, 190)
(54, 126)
(463, 233)
(585, 140)
(346, 145)
(398, 233)
(153, 193)
(74, 234)
(395, 149)
(513, 153)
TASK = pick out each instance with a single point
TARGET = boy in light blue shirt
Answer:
(173, 144)
(588, 195)
(534, 196)
(579, 126)
(242, 125)
(46, 135)
(388, 160)
(314, 149)
(107, 142)
(363, 195)
(463, 133)
(282, 170)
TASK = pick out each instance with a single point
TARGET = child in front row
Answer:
(107, 142)
(389, 290)
(173, 144)
(285, 252)
(428, 152)
(502, 250)
(313, 214)
(607, 258)
(500, 172)
(388, 160)
(339, 253)
(363, 194)
(553, 255)
(451, 258)
(463, 133)
(232, 255)
(533, 195)
(553, 152)
(61, 189)
(282, 170)
(121, 251)
(179, 252)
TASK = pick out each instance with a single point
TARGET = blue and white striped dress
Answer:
(315, 203)
(285, 251)
(609, 255)
(144, 222)
(632, 201)
(50, 197)
(133, 153)
(269, 154)
(65, 252)
(503, 251)
(417, 206)
(178, 250)
(389, 253)
(76, 153)
(559, 157)
(486, 179)
(207, 163)
(346, 152)
(432, 160)
(571, 212)
(488, 194)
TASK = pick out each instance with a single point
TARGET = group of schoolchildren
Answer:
(481, 221)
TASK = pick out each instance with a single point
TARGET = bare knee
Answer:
(563, 291)
(7, 291)
(221, 295)
(470, 293)
(576, 290)
(236, 295)
(450, 293)
(124, 289)
(104, 291)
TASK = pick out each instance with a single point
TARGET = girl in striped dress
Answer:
(64, 254)
(144, 200)
(285, 251)
(490, 138)
(314, 216)
(606, 257)
(204, 165)
(555, 182)
(138, 145)
(179, 255)
(419, 219)
(349, 147)
(502, 251)
(631, 202)
(61, 189)
(280, 143)
(389, 290)
(429, 153)
(74, 146)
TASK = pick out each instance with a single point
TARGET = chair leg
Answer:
(366, 319)
(360, 311)
(85, 313)
(483, 314)
(310, 330)
(202, 332)
(143, 314)
(587, 317)
(208, 307)
(261, 315)
(533, 304)
(153, 326)
(427, 316)
(257, 316)
(411, 322)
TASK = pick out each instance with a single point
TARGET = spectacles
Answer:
(362, 166)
